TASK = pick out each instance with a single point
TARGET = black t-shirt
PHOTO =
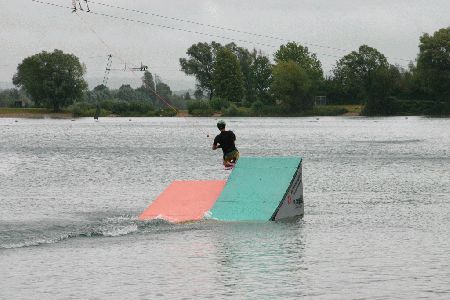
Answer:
(226, 141)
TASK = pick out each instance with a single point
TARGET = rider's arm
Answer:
(216, 144)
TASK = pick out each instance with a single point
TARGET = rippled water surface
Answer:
(376, 224)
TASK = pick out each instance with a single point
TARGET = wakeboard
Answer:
(229, 166)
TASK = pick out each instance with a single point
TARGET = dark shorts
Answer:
(231, 156)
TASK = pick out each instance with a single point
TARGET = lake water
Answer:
(376, 224)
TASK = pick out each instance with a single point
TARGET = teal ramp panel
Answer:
(256, 188)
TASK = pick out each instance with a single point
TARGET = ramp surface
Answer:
(184, 201)
(256, 188)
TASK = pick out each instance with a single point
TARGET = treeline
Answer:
(234, 80)
(55, 80)
(152, 98)
(14, 98)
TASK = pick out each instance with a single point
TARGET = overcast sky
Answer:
(391, 26)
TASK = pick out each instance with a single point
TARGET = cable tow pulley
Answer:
(75, 8)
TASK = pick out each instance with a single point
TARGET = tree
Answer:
(261, 71)
(98, 93)
(11, 97)
(353, 72)
(246, 61)
(142, 93)
(101, 88)
(228, 81)
(308, 61)
(187, 96)
(292, 86)
(178, 101)
(163, 90)
(410, 83)
(433, 64)
(201, 63)
(148, 88)
(148, 84)
(52, 80)
(198, 94)
(381, 85)
(126, 93)
(147, 81)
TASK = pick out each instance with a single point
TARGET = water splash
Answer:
(51, 232)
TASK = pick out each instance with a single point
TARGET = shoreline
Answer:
(40, 113)
(33, 113)
(37, 116)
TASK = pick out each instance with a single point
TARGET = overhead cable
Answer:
(227, 28)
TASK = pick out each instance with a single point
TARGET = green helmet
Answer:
(221, 124)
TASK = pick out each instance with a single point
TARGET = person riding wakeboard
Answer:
(225, 140)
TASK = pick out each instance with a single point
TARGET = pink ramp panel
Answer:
(184, 201)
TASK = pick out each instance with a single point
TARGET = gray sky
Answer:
(391, 26)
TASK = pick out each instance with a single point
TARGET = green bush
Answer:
(140, 106)
(231, 111)
(217, 104)
(244, 112)
(416, 107)
(439, 109)
(135, 108)
(120, 107)
(388, 106)
(200, 108)
(234, 111)
(272, 110)
(166, 112)
(82, 109)
(107, 104)
(202, 112)
(327, 110)
(257, 108)
(116, 107)
(393, 106)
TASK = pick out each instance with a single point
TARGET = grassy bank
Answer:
(202, 108)
(325, 110)
(38, 113)
(352, 109)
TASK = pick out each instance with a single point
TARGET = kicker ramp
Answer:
(262, 189)
(184, 201)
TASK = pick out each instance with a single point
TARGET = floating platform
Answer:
(258, 189)
(184, 201)
(262, 189)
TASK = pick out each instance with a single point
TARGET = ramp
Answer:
(262, 189)
(184, 201)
